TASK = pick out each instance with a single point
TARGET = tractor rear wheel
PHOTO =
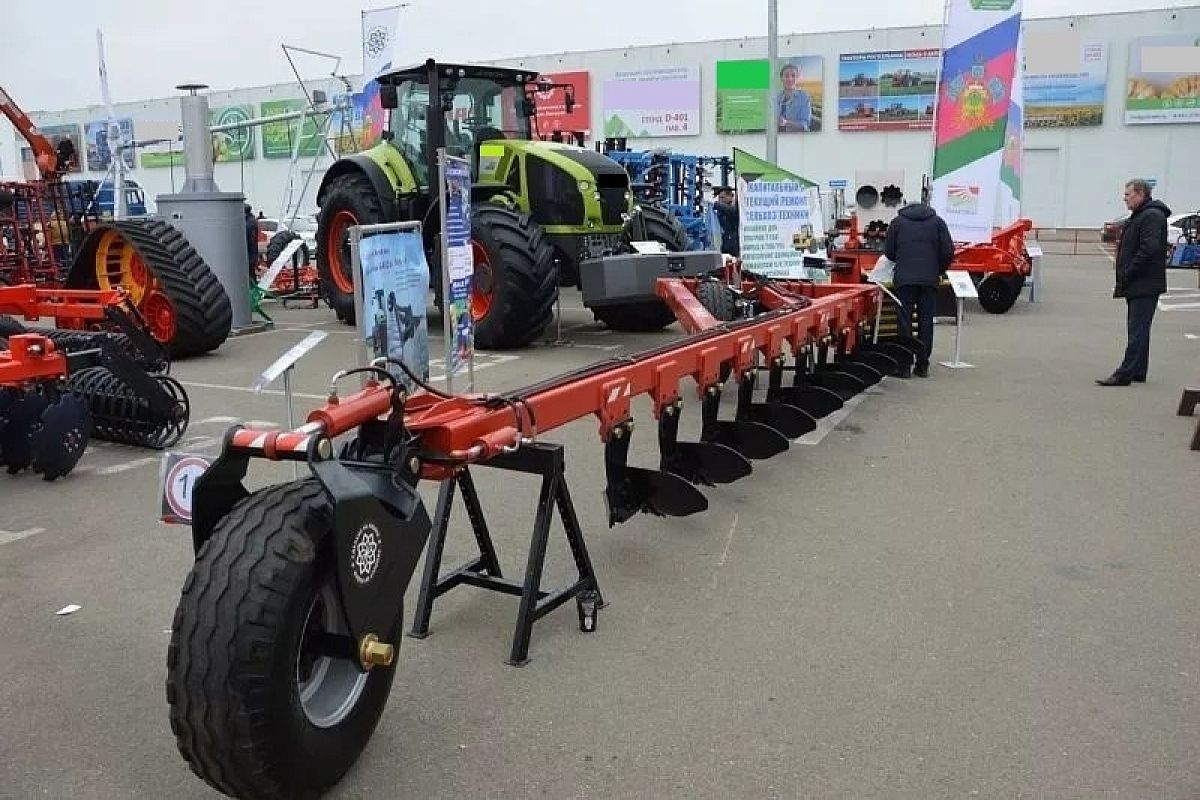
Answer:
(350, 200)
(184, 304)
(717, 299)
(258, 704)
(646, 315)
(512, 297)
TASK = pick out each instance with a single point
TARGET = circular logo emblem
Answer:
(376, 42)
(366, 551)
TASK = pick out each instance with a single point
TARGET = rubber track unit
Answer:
(237, 612)
(203, 315)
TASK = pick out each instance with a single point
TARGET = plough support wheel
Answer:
(267, 698)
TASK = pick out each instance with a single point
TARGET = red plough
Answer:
(326, 561)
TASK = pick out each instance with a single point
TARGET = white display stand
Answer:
(964, 287)
(1034, 251)
(284, 366)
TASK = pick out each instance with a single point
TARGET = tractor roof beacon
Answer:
(544, 212)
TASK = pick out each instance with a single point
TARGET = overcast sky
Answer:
(48, 48)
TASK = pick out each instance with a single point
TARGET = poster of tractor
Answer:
(890, 90)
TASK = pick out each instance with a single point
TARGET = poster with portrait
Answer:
(743, 87)
(67, 142)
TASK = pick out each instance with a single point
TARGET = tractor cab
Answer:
(459, 107)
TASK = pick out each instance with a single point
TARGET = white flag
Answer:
(379, 28)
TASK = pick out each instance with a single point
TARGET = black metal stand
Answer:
(546, 460)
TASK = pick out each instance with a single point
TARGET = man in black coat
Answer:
(728, 215)
(919, 242)
(252, 243)
(1141, 276)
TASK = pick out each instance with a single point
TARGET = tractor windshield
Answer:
(481, 109)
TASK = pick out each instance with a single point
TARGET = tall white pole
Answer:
(773, 84)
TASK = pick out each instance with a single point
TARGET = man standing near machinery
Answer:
(1141, 276)
(919, 243)
(728, 217)
(252, 243)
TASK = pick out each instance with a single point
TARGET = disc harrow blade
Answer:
(907, 342)
(24, 417)
(903, 356)
(652, 492)
(120, 415)
(61, 438)
(707, 463)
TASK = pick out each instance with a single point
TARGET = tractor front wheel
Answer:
(350, 200)
(262, 701)
(512, 296)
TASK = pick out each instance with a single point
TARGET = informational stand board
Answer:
(284, 366)
(1034, 251)
(177, 479)
(458, 268)
(391, 284)
(964, 287)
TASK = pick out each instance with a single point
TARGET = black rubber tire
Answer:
(232, 661)
(646, 315)
(279, 241)
(203, 315)
(999, 292)
(718, 300)
(525, 281)
(354, 193)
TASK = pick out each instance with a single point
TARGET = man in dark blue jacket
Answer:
(1141, 276)
(251, 242)
(919, 242)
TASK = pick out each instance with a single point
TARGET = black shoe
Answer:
(1140, 380)
(921, 372)
(1114, 380)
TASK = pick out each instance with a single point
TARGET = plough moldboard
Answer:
(283, 645)
(61, 387)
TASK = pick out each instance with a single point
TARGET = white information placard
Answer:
(961, 283)
(288, 359)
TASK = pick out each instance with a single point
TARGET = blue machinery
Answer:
(680, 183)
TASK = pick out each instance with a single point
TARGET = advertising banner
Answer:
(887, 91)
(1164, 80)
(780, 223)
(1008, 200)
(743, 86)
(167, 153)
(236, 144)
(1066, 98)
(974, 98)
(68, 145)
(552, 105)
(460, 267)
(395, 285)
(379, 27)
(279, 138)
(661, 101)
(360, 126)
(99, 157)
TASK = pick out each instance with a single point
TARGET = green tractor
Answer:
(543, 213)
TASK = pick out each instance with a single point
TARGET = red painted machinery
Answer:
(62, 386)
(283, 644)
(999, 267)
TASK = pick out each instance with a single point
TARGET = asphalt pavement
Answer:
(983, 583)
